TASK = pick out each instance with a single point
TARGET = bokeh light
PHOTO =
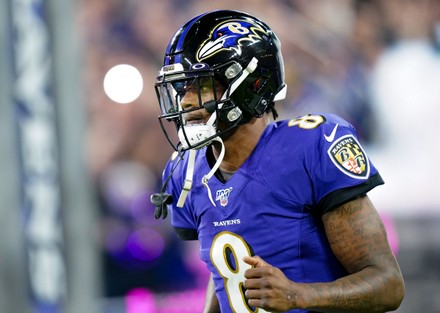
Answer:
(123, 83)
(145, 244)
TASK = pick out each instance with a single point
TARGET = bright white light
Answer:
(123, 83)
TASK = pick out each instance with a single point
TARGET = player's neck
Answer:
(240, 145)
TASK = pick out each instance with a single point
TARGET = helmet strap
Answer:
(208, 176)
(205, 180)
(188, 178)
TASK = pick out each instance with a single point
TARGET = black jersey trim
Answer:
(186, 233)
(338, 197)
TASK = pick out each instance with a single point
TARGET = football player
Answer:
(280, 208)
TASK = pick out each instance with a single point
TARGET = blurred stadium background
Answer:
(77, 232)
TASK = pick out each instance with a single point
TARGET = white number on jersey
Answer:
(227, 252)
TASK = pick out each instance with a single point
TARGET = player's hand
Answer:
(268, 288)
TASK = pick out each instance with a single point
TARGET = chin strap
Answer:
(208, 176)
(205, 180)
(188, 179)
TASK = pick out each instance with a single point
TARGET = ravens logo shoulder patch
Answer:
(349, 157)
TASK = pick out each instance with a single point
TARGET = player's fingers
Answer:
(250, 260)
(255, 261)
(257, 303)
(253, 283)
(259, 272)
(253, 294)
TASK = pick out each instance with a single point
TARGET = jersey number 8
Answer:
(227, 252)
(307, 121)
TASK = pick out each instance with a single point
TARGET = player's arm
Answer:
(211, 301)
(358, 239)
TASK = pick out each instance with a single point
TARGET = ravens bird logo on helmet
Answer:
(229, 35)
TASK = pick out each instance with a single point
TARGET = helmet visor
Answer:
(183, 95)
(188, 102)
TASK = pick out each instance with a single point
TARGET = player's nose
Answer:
(190, 100)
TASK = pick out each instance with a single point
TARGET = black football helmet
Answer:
(229, 48)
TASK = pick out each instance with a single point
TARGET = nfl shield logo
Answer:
(223, 196)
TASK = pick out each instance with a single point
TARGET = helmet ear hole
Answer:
(259, 85)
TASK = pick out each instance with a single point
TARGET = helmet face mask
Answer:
(233, 57)
(191, 103)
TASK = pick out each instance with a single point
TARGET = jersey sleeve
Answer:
(341, 169)
(182, 219)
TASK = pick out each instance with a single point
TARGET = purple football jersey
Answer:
(272, 206)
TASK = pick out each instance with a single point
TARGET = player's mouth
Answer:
(192, 119)
(195, 122)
